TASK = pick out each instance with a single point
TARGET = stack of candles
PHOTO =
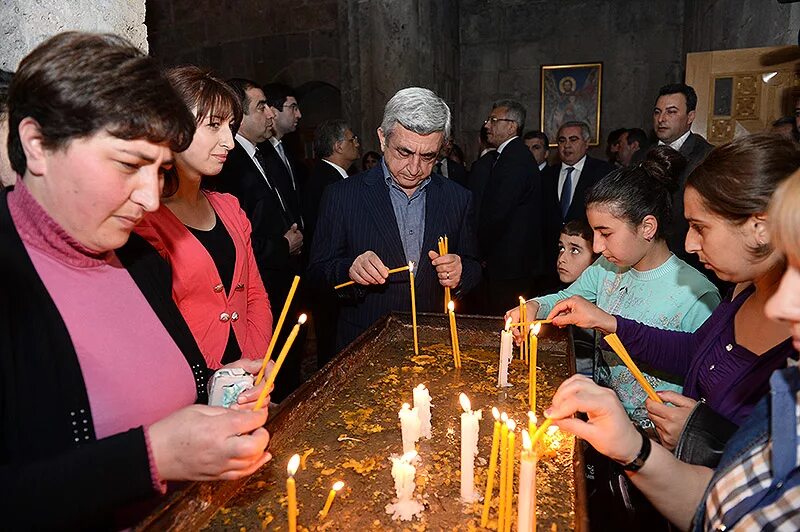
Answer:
(616, 344)
(444, 250)
(454, 334)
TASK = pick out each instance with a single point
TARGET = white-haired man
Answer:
(394, 214)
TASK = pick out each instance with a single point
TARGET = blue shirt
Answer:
(409, 212)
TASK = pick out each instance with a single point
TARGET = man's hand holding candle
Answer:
(448, 268)
(368, 269)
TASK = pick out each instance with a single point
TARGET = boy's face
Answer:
(574, 256)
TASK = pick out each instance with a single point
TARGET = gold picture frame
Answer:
(571, 92)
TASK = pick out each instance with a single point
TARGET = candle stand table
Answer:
(344, 424)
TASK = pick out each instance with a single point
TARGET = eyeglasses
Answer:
(354, 139)
(494, 120)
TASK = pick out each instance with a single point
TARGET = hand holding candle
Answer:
(390, 272)
(469, 449)
(291, 492)
(278, 363)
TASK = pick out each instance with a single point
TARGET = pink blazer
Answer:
(198, 290)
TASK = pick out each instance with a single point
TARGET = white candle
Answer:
(469, 449)
(526, 505)
(409, 426)
(422, 404)
(506, 354)
(403, 473)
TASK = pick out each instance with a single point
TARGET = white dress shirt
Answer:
(250, 148)
(576, 175)
(677, 143)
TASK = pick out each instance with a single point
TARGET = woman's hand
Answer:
(670, 420)
(608, 429)
(532, 307)
(247, 399)
(575, 310)
(202, 442)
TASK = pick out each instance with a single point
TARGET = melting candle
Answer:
(469, 449)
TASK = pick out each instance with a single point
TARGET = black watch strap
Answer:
(644, 452)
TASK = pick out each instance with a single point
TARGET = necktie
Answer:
(259, 157)
(566, 192)
(282, 153)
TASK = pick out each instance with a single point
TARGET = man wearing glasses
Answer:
(509, 228)
(392, 215)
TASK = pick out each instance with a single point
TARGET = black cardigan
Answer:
(54, 473)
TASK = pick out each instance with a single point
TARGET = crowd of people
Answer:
(152, 222)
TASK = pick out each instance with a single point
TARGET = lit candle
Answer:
(291, 491)
(454, 334)
(487, 498)
(501, 509)
(510, 474)
(469, 449)
(413, 306)
(277, 331)
(526, 503)
(534, 348)
(531, 423)
(422, 404)
(403, 473)
(336, 487)
(539, 431)
(506, 353)
(409, 426)
(278, 363)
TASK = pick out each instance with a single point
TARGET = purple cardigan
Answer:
(730, 378)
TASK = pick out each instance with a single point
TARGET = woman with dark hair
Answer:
(755, 485)
(370, 160)
(727, 362)
(98, 371)
(637, 275)
(205, 236)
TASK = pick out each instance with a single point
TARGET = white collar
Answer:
(501, 147)
(338, 168)
(577, 166)
(677, 144)
(248, 146)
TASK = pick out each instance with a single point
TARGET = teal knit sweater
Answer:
(673, 296)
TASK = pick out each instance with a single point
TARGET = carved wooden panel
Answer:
(721, 130)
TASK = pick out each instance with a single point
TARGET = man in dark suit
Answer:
(288, 174)
(565, 184)
(275, 240)
(394, 214)
(337, 148)
(449, 168)
(510, 223)
(673, 115)
(539, 144)
(633, 144)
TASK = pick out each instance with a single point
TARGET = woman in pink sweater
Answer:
(205, 236)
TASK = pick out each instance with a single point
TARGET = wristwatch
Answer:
(644, 452)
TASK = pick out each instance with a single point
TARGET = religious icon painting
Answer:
(571, 93)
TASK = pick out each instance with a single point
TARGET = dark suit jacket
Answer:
(356, 215)
(510, 223)
(241, 177)
(322, 175)
(695, 149)
(277, 171)
(478, 177)
(456, 172)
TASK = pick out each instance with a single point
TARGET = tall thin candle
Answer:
(413, 306)
(487, 498)
(277, 331)
(526, 503)
(506, 353)
(454, 334)
(510, 474)
(278, 363)
(291, 492)
(469, 449)
(336, 487)
(534, 348)
(501, 509)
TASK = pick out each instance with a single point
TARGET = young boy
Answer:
(575, 254)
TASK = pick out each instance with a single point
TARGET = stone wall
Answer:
(504, 43)
(25, 24)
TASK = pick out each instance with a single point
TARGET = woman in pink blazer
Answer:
(205, 236)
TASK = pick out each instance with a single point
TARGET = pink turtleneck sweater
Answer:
(134, 372)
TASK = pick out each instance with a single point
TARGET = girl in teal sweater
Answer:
(637, 276)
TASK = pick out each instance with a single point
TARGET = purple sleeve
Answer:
(668, 351)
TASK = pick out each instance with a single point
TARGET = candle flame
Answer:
(410, 266)
(508, 324)
(535, 328)
(504, 417)
(464, 400)
(294, 463)
(410, 455)
(526, 441)
(532, 417)
(521, 300)
(512, 425)
(302, 319)
(495, 413)
(451, 306)
(339, 485)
